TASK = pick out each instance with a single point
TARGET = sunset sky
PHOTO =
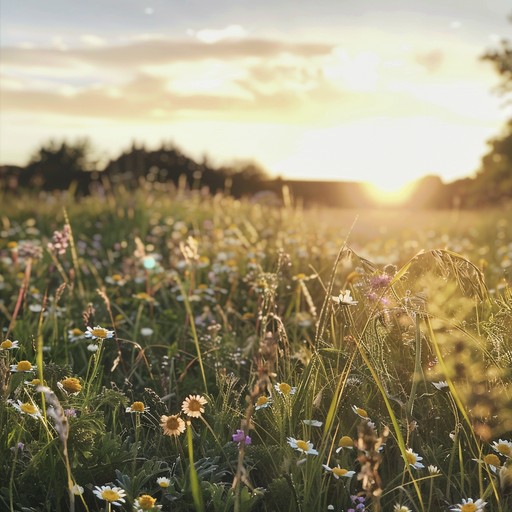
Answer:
(384, 91)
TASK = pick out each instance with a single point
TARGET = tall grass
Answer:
(340, 358)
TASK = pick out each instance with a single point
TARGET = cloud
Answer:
(211, 36)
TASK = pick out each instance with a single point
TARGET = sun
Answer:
(388, 193)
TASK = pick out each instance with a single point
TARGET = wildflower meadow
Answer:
(166, 349)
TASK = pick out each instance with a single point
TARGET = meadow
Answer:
(164, 349)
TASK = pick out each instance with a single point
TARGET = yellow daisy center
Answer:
(411, 458)
(71, 385)
(346, 441)
(24, 366)
(146, 502)
(164, 484)
(503, 448)
(76, 332)
(339, 471)
(302, 445)
(492, 459)
(35, 382)
(262, 400)
(28, 408)
(285, 388)
(99, 332)
(116, 277)
(6, 344)
(468, 507)
(138, 407)
(110, 495)
(143, 296)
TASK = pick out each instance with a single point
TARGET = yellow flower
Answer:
(193, 406)
(145, 502)
(172, 425)
(70, 385)
(345, 442)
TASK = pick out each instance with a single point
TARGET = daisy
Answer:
(26, 408)
(345, 442)
(146, 502)
(360, 412)
(172, 425)
(492, 460)
(433, 470)
(163, 482)
(193, 406)
(262, 403)
(23, 367)
(75, 334)
(9, 345)
(338, 472)
(137, 407)
(70, 386)
(503, 447)
(413, 459)
(302, 446)
(344, 299)
(285, 389)
(401, 508)
(98, 333)
(442, 384)
(114, 495)
(470, 506)
(33, 382)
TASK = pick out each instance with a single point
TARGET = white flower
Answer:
(23, 367)
(285, 389)
(413, 459)
(9, 345)
(302, 446)
(92, 347)
(262, 402)
(503, 447)
(433, 470)
(360, 412)
(26, 408)
(339, 472)
(401, 508)
(146, 331)
(474, 506)
(442, 384)
(163, 482)
(312, 423)
(114, 495)
(98, 333)
(344, 299)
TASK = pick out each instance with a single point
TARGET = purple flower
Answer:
(241, 438)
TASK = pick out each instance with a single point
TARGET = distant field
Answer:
(169, 349)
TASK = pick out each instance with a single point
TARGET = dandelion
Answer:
(344, 299)
(285, 389)
(470, 506)
(262, 402)
(240, 438)
(360, 412)
(146, 502)
(113, 495)
(71, 386)
(163, 482)
(77, 490)
(503, 447)
(9, 345)
(339, 472)
(312, 423)
(305, 447)
(193, 406)
(413, 459)
(23, 367)
(26, 408)
(98, 333)
(137, 407)
(172, 425)
(345, 442)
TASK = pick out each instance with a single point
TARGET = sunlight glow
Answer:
(389, 194)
